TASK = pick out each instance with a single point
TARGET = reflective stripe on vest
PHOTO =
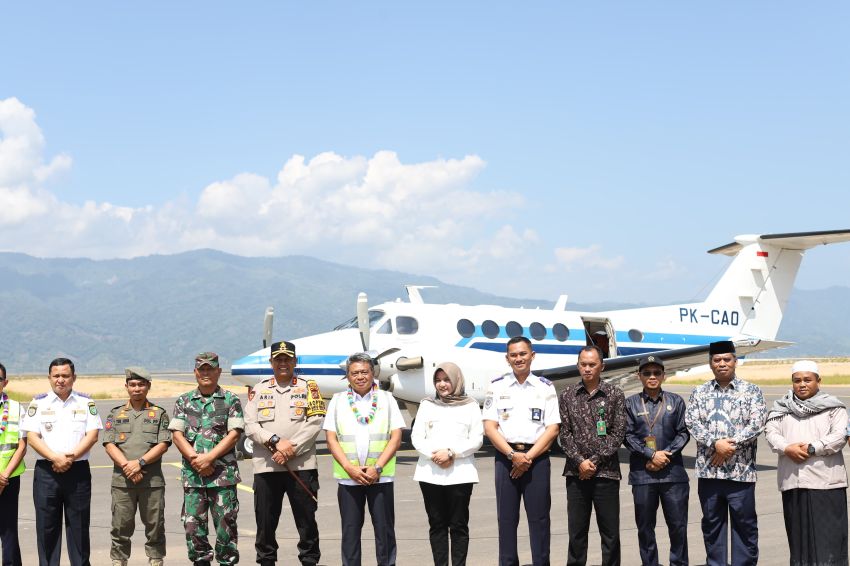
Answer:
(9, 440)
(346, 429)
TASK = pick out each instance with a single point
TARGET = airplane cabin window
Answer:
(490, 329)
(386, 328)
(465, 327)
(561, 332)
(538, 331)
(635, 335)
(406, 325)
(513, 329)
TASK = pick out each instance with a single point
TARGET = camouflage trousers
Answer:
(224, 506)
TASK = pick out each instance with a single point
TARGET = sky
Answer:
(524, 149)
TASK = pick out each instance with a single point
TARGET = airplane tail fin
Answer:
(759, 280)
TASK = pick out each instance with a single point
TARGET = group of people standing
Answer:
(522, 416)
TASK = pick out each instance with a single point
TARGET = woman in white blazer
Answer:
(447, 432)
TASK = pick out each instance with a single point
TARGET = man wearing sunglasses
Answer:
(655, 436)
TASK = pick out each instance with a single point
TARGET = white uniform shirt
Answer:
(363, 404)
(62, 424)
(438, 427)
(523, 411)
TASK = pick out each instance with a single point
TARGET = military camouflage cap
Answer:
(206, 358)
(137, 373)
(283, 349)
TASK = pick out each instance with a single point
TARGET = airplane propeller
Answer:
(363, 327)
(268, 324)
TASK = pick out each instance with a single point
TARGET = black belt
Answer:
(521, 446)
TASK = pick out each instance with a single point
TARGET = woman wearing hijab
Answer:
(446, 433)
(806, 428)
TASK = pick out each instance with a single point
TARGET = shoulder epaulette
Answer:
(39, 396)
(544, 381)
(500, 378)
(81, 394)
(121, 406)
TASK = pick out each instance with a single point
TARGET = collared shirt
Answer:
(438, 427)
(737, 412)
(281, 409)
(386, 401)
(522, 410)
(62, 424)
(205, 421)
(669, 430)
(134, 433)
(580, 438)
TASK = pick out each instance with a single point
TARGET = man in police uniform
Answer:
(13, 446)
(205, 427)
(136, 436)
(521, 419)
(61, 427)
(283, 417)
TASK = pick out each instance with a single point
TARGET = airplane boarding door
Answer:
(600, 332)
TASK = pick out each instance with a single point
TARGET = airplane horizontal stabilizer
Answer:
(789, 241)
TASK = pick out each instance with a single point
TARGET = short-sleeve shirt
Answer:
(523, 410)
(62, 424)
(205, 421)
(134, 433)
(362, 436)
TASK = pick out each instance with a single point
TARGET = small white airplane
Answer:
(409, 339)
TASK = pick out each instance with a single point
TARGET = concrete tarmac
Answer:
(411, 522)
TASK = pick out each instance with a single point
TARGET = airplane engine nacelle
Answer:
(411, 385)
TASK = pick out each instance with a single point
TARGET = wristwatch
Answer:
(511, 454)
(379, 469)
(142, 462)
(451, 454)
(272, 444)
(811, 450)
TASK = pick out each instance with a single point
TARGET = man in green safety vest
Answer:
(363, 427)
(13, 446)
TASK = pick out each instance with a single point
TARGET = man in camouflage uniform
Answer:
(283, 417)
(206, 424)
(136, 436)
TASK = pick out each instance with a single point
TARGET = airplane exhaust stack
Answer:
(405, 364)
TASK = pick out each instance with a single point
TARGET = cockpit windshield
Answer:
(374, 316)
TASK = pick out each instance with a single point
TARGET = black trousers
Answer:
(720, 501)
(269, 489)
(603, 496)
(674, 503)
(352, 501)
(534, 490)
(54, 494)
(9, 522)
(447, 507)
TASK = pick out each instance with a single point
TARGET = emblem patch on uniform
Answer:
(151, 414)
(31, 410)
(299, 412)
(48, 426)
(122, 436)
(108, 424)
(315, 403)
(488, 402)
(92, 408)
(265, 412)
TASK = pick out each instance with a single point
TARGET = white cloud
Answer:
(589, 257)
(375, 211)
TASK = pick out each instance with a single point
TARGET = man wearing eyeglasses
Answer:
(655, 436)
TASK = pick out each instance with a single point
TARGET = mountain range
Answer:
(160, 310)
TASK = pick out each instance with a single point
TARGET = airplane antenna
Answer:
(268, 324)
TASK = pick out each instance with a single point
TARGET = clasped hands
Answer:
(283, 451)
(442, 458)
(520, 462)
(133, 471)
(724, 448)
(62, 462)
(659, 460)
(798, 452)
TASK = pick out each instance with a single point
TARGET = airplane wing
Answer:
(621, 370)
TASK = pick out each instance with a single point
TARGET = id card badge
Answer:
(601, 428)
(650, 442)
(536, 415)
